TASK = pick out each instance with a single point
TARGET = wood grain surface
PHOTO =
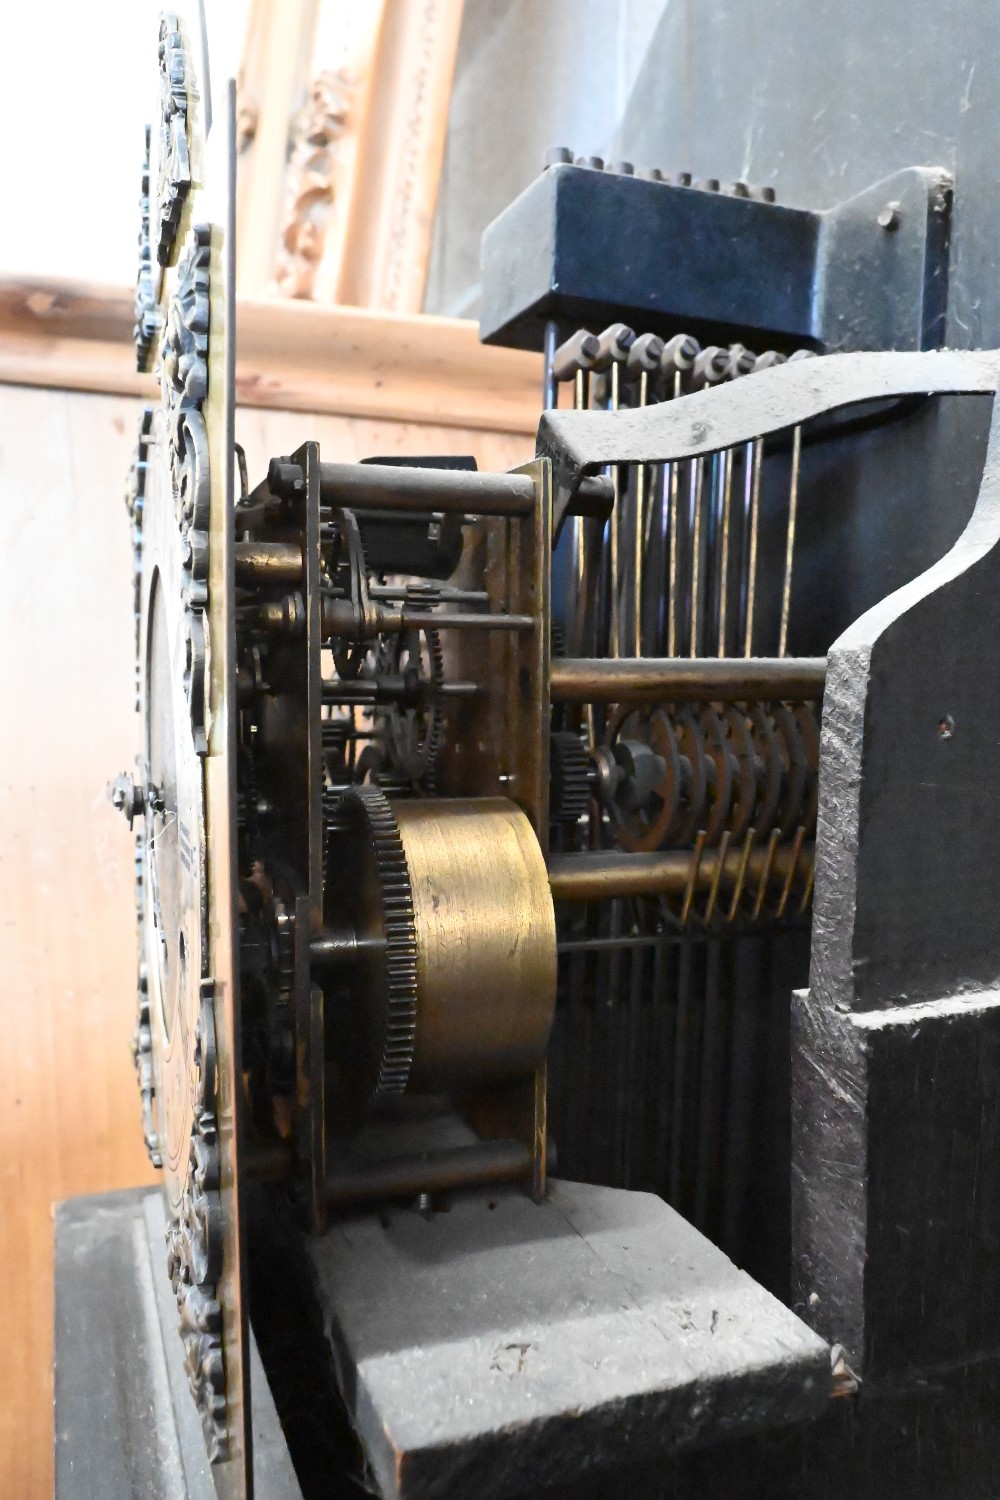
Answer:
(69, 1120)
(296, 356)
(69, 1107)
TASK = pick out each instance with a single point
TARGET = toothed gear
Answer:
(414, 736)
(569, 778)
(365, 811)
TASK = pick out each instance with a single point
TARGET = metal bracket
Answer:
(583, 247)
(582, 442)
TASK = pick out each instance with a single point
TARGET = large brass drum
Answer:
(486, 940)
(446, 918)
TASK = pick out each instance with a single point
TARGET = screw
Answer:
(889, 218)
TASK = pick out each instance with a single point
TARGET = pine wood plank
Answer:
(293, 355)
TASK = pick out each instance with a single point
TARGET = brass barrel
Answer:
(268, 563)
(685, 680)
(601, 875)
(486, 940)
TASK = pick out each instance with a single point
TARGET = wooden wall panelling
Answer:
(304, 357)
(69, 1113)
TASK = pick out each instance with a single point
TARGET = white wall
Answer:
(80, 82)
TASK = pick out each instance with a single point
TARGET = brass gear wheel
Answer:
(413, 736)
(367, 889)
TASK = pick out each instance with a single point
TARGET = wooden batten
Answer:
(293, 356)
